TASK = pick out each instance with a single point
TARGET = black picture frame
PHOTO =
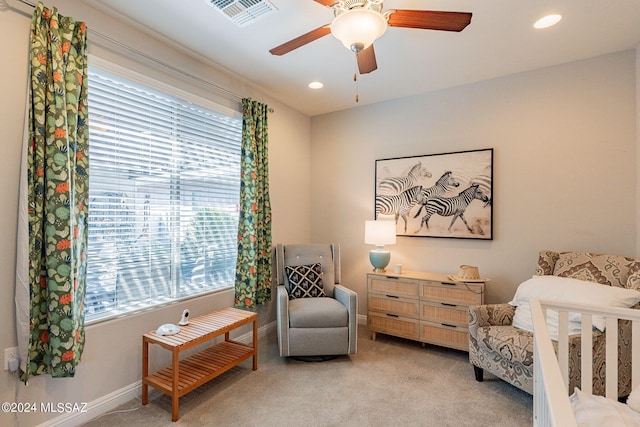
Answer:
(420, 194)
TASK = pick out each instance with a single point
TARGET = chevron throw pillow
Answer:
(305, 281)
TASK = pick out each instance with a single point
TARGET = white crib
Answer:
(551, 404)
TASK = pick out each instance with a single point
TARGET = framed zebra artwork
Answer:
(437, 195)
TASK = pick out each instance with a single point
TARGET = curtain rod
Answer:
(152, 59)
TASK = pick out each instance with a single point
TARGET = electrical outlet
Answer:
(9, 353)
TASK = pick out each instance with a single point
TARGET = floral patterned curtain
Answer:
(253, 267)
(56, 194)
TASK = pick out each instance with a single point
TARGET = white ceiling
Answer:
(499, 41)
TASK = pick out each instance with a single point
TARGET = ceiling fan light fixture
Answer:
(357, 29)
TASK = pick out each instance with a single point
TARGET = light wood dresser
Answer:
(422, 306)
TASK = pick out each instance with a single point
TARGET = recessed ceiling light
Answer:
(316, 85)
(547, 21)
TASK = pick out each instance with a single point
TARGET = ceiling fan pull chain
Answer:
(355, 79)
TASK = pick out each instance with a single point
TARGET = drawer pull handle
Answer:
(448, 283)
(392, 296)
(449, 326)
(392, 277)
(392, 315)
(448, 305)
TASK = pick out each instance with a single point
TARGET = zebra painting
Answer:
(437, 190)
(399, 205)
(396, 185)
(452, 172)
(484, 184)
(453, 206)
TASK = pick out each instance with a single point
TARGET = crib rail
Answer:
(551, 405)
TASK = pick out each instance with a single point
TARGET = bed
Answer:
(553, 403)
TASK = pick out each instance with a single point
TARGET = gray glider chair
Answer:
(316, 316)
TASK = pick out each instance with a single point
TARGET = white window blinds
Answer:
(163, 197)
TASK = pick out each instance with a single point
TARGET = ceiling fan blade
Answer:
(301, 40)
(430, 20)
(327, 3)
(367, 61)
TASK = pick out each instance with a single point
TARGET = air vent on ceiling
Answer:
(243, 12)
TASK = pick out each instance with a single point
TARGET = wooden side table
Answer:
(185, 375)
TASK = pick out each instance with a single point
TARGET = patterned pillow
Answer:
(546, 262)
(305, 281)
(633, 282)
(611, 270)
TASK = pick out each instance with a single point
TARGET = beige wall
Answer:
(112, 357)
(564, 167)
(564, 142)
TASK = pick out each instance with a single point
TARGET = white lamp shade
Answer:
(380, 232)
(358, 26)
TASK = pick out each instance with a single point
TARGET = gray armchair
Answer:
(314, 326)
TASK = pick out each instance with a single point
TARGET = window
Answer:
(163, 197)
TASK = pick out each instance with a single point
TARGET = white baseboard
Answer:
(112, 400)
(97, 407)
(263, 331)
(362, 319)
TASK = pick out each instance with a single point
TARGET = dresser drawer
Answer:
(422, 306)
(445, 335)
(454, 293)
(393, 286)
(393, 325)
(439, 312)
(395, 305)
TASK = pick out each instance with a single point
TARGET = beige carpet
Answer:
(390, 382)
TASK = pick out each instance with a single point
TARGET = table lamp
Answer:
(379, 233)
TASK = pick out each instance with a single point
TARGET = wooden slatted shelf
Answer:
(185, 375)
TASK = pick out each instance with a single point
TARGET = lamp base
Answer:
(379, 259)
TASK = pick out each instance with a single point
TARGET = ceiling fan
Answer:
(358, 23)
